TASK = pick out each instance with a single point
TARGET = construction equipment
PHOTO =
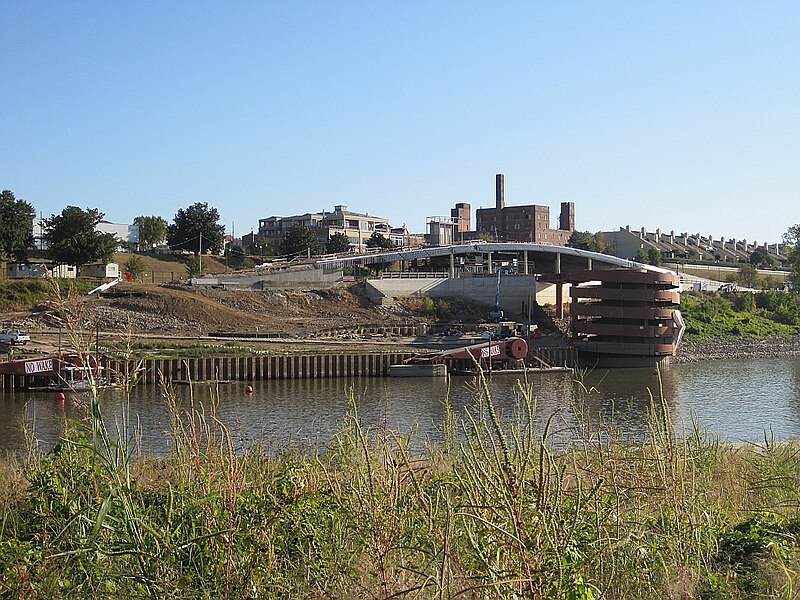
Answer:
(513, 348)
(496, 314)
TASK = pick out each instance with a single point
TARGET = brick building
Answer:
(357, 227)
(522, 223)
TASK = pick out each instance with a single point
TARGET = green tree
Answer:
(747, 276)
(586, 240)
(236, 251)
(16, 222)
(598, 243)
(485, 236)
(641, 256)
(72, 237)
(152, 230)
(197, 228)
(580, 240)
(261, 246)
(378, 240)
(792, 239)
(654, 256)
(338, 242)
(134, 265)
(300, 240)
(194, 266)
(760, 257)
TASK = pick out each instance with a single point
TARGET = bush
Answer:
(194, 266)
(135, 266)
(426, 304)
(442, 309)
(23, 294)
(497, 508)
(743, 302)
(760, 315)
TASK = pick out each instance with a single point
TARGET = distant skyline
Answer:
(682, 116)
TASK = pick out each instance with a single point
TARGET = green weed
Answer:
(497, 508)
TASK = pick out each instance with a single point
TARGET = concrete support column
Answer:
(489, 259)
(589, 264)
(525, 262)
(558, 263)
(452, 264)
(559, 299)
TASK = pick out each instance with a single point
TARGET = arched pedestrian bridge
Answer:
(485, 258)
(531, 272)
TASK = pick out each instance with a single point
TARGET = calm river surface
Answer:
(734, 400)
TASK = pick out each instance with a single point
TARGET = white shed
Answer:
(100, 270)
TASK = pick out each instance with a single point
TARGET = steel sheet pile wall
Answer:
(241, 368)
(256, 368)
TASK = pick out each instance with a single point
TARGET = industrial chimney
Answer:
(500, 196)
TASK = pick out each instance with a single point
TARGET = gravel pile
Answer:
(738, 348)
(120, 319)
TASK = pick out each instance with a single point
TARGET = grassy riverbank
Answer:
(721, 316)
(491, 511)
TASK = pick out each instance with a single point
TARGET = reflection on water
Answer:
(735, 400)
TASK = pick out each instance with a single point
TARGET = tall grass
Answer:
(494, 509)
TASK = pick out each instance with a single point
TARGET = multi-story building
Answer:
(357, 227)
(127, 235)
(524, 223)
(628, 243)
(460, 216)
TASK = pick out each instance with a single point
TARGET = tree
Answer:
(641, 256)
(152, 230)
(654, 256)
(16, 222)
(261, 246)
(598, 243)
(300, 240)
(236, 251)
(194, 266)
(747, 276)
(72, 237)
(339, 242)
(585, 240)
(485, 236)
(197, 228)
(580, 240)
(760, 258)
(378, 240)
(134, 266)
(792, 239)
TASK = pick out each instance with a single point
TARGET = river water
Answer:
(735, 400)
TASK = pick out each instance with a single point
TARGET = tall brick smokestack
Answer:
(500, 195)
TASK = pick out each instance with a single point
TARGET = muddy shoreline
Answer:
(738, 348)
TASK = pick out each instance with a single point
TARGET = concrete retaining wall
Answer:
(306, 278)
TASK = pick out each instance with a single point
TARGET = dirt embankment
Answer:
(184, 310)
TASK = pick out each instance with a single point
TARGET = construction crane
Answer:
(513, 348)
(497, 314)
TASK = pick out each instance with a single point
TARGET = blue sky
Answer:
(678, 115)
